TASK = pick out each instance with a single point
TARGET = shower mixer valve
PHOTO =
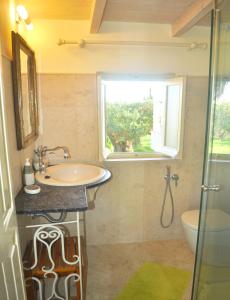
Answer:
(169, 177)
(175, 177)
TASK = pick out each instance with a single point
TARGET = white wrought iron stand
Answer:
(48, 235)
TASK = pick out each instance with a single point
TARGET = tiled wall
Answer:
(128, 207)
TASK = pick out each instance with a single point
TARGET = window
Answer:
(221, 132)
(140, 117)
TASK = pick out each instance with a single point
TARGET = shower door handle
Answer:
(210, 188)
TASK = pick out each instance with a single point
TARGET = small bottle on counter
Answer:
(28, 173)
(36, 162)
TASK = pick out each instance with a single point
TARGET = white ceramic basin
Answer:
(71, 175)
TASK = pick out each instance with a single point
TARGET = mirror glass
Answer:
(25, 92)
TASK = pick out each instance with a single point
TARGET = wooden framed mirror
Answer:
(25, 92)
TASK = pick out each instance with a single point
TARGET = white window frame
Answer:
(163, 148)
(165, 152)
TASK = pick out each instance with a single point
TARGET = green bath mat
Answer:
(156, 282)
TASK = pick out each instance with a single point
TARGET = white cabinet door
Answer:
(11, 274)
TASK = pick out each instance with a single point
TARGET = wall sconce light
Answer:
(22, 16)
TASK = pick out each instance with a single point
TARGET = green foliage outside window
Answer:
(129, 125)
(221, 143)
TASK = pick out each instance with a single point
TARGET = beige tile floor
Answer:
(110, 266)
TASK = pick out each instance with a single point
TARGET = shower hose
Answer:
(167, 189)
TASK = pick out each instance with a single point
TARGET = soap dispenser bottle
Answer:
(28, 173)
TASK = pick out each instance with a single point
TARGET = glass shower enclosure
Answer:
(212, 270)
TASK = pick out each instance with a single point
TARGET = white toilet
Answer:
(217, 234)
(190, 220)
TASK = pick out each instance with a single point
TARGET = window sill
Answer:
(138, 159)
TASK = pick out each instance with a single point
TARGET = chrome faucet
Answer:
(41, 154)
(169, 177)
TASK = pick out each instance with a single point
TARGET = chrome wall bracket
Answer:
(210, 188)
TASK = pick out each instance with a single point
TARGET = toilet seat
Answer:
(216, 220)
(191, 218)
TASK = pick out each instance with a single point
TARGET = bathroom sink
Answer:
(71, 175)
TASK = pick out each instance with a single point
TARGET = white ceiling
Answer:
(58, 9)
(150, 11)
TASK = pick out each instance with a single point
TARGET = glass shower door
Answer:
(212, 271)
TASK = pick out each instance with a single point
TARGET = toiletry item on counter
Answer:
(28, 173)
(36, 162)
(32, 189)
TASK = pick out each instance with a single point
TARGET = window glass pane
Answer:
(172, 116)
(129, 115)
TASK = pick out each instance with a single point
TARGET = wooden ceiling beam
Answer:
(191, 16)
(98, 9)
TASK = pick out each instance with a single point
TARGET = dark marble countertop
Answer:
(53, 199)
